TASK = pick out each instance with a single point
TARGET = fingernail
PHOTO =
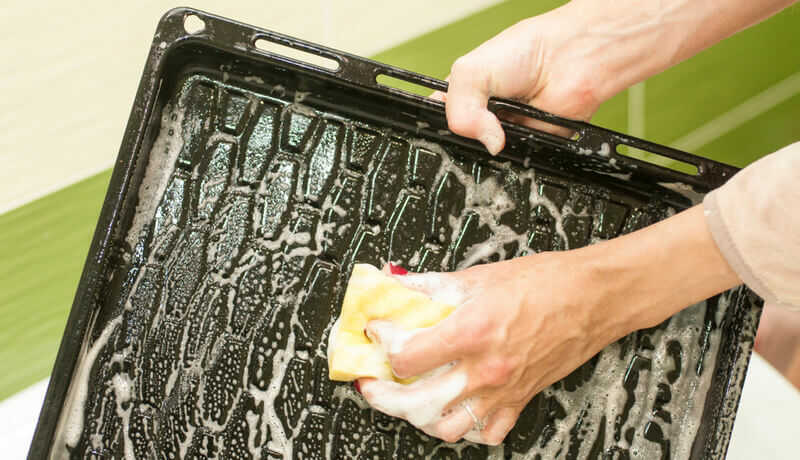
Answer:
(396, 269)
(357, 384)
(370, 336)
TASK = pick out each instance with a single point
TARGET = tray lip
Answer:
(168, 37)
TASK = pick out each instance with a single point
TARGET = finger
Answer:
(537, 124)
(466, 108)
(458, 421)
(391, 337)
(380, 393)
(422, 403)
(415, 352)
(499, 425)
(440, 95)
(425, 350)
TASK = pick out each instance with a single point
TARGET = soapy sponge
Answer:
(374, 295)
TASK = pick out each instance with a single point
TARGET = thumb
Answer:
(391, 337)
(466, 106)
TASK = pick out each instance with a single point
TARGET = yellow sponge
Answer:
(374, 295)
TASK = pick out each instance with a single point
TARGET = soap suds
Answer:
(160, 164)
(421, 402)
(72, 414)
(391, 338)
(440, 287)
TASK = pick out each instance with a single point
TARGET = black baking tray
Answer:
(249, 183)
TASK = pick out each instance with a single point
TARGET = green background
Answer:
(43, 244)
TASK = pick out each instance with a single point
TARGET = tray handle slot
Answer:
(559, 124)
(296, 51)
(402, 84)
(638, 154)
(678, 164)
(666, 161)
(418, 80)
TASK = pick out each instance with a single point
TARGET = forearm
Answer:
(647, 276)
(629, 40)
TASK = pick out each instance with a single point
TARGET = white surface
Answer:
(71, 70)
(18, 417)
(766, 426)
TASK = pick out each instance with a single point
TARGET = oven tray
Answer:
(247, 186)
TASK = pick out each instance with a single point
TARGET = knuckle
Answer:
(478, 331)
(515, 397)
(583, 96)
(475, 328)
(496, 372)
(462, 123)
(504, 370)
(462, 65)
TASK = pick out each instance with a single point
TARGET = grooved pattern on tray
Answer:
(228, 291)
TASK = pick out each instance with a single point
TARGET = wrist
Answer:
(626, 41)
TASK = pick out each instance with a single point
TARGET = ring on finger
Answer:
(479, 425)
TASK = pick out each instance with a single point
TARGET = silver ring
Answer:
(479, 424)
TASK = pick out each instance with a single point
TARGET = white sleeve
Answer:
(755, 220)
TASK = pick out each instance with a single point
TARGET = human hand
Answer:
(571, 59)
(525, 323)
(532, 62)
(520, 326)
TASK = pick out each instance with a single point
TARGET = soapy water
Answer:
(421, 403)
(391, 339)
(212, 340)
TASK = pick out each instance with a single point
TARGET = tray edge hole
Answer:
(653, 158)
(295, 54)
(193, 24)
(390, 81)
